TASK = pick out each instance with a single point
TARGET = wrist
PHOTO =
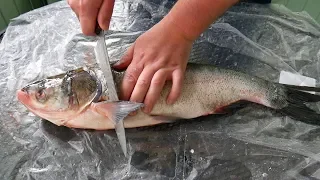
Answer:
(175, 31)
(193, 17)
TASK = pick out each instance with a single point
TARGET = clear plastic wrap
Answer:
(256, 143)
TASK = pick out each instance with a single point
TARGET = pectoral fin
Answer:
(117, 111)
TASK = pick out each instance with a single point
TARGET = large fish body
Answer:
(74, 99)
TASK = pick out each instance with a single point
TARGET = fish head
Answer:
(61, 97)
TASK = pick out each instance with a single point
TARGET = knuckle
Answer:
(157, 82)
(84, 3)
(175, 64)
(130, 77)
(141, 54)
(165, 71)
(142, 82)
(138, 67)
(160, 63)
(145, 57)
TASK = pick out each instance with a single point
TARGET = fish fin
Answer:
(117, 111)
(302, 88)
(233, 107)
(297, 98)
(301, 94)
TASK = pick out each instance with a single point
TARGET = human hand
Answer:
(91, 12)
(160, 54)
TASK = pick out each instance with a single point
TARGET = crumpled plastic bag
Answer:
(255, 142)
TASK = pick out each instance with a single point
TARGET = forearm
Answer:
(192, 17)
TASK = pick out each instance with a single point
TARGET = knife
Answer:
(103, 61)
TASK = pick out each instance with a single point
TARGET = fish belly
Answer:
(91, 119)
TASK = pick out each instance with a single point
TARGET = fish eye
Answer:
(41, 95)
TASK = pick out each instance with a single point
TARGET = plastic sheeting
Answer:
(255, 142)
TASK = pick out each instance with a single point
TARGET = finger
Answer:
(133, 113)
(129, 80)
(177, 80)
(75, 6)
(157, 83)
(141, 88)
(125, 60)
(105, 14)
(88, 15)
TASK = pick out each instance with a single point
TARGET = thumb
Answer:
(125, 60)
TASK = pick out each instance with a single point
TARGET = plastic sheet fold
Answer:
(255, 142)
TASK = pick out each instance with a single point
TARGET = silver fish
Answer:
(75, 99)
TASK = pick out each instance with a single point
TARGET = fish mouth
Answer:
(23, 96)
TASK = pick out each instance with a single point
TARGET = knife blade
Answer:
(103, 61)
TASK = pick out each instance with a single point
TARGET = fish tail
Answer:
(292, 101)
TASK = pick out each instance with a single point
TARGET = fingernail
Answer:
(117, 63)
(133, 113)
(146, 110)
(105, 25)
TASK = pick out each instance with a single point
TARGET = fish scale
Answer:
(206, 90)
